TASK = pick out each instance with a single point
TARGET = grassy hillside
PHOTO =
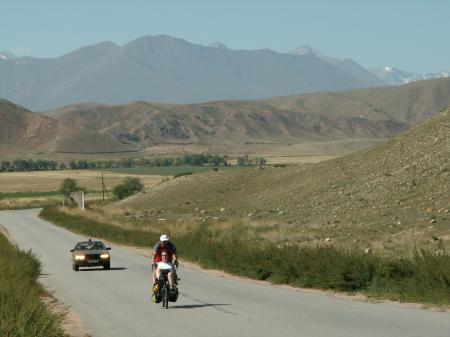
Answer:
(22, 313)
(390, 197)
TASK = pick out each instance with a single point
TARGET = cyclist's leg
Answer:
(154, 276)
(170, 276)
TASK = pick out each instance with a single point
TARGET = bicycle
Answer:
(164, 287)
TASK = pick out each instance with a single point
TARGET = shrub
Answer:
(68, 186)
(121, 191)
(129, 187)
(188, 173)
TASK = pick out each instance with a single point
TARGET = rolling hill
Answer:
(376, 113)
(366, 113)
(409, 103)
(20, 128)
(23, 132)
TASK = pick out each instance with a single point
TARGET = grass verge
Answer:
(421, 278)
(15, 204)
(21, 311)
(15, 195)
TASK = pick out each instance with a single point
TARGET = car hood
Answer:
(92, 251)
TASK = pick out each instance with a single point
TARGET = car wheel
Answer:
(107, 266)
(76, 267)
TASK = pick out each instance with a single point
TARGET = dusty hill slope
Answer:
(214, 122)
(381, 197)
(25, 132)
(410, 103)
(20, 127)
(95, 128)
(379, 112)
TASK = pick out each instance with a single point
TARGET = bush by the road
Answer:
(424, 277)
(70, 185)
(129, 187)
(22, 314)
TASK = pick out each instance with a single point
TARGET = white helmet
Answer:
(164, 237)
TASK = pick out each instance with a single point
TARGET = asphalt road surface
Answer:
(117, 302)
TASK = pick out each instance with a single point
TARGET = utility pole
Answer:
(104, 189)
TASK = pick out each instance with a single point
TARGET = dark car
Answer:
(91, 254)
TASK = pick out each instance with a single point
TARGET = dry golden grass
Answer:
(43, 181)
(297, 159)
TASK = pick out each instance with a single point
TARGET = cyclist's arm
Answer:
(175, 259)
(155, 250)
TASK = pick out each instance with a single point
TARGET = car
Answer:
(91, 253)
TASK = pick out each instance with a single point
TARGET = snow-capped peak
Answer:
(6, 55)
(304, 50)
(396, 76)
(218, 44)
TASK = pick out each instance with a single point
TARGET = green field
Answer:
(169, 170)
(15, 195)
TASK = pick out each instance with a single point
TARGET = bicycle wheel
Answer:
(165, 295)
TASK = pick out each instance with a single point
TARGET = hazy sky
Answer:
(413, 35)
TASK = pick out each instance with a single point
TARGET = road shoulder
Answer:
(358, 297)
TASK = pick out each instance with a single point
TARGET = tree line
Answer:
(43, 165)
(28, 165)
(20, 165)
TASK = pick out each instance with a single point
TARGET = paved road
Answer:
(117, 302)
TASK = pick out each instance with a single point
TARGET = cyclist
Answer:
(165, 264)
(164, 244)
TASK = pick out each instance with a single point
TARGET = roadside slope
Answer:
(379, 197)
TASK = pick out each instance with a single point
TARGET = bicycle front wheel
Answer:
(165, 294)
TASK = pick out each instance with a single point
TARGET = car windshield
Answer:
(94, 245)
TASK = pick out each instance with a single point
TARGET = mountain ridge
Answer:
(167, 69)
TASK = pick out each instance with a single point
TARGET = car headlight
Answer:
(104, 256)
(79, 257)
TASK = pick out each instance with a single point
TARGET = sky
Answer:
(412, 35)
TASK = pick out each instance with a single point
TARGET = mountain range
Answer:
(387, 74)
(99, 128)
(166, 69)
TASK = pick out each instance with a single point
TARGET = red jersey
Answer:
(169, 248)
